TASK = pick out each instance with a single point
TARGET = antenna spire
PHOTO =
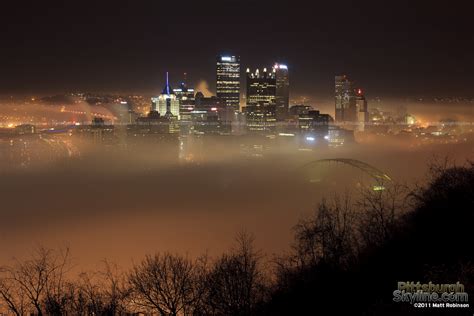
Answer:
(167, 84)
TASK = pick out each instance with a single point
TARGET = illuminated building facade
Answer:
(167, 104)
(260, 111)
(314, 123)
(362, 110)
(153, 124)
(299, 109)
(338, 136)
(228, 81)
(345, 100)
(98, 131)
(282, 97)
(185, 96)
(209, 115)
(261, 87)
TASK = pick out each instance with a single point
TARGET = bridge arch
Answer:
(375, 173)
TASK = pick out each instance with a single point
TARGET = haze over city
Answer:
(236, 158)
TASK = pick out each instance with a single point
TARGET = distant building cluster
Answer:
(265, 110)
(350, 103)
(254, 101)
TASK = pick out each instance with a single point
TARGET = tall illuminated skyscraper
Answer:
(362, 110)
(185, 96)
(228, 80)
(345, 100)
(166, 104)
(261, 95)
(261, 87)
(282, 98)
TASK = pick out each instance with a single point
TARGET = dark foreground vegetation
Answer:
(346, 259)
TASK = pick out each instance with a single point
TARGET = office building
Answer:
(282, 97)
(362, 110)
(97, 131)
(228, 81)
(260, 111)
(261, 87)
(298, 109)
(345, 100)
(209, 115)
(314, 122)
(338, 136)
(167, 104)
(153, 124)
(185, 96)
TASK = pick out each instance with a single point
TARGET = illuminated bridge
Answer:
(375, 173)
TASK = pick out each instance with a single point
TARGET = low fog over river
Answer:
(123, 205)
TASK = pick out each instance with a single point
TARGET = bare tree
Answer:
(115, 288)
(37, 281)
(327, 236)
(88, 295)
(236, 284)
(379, 212)
(100, 293)
(164, 283)
(57, 297)
(13, 296)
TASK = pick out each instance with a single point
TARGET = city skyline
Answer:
(327, 139)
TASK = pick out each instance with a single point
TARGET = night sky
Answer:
(390, 48)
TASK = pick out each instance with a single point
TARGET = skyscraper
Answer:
(261, 87)
(362, 110)
(282, 98)
(184, 93)
(261, 96)
(345, 101)
(228, 81)
(185, 96)
(166, 104)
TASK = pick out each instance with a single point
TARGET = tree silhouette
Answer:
(164, 283)
(37, 282)
(236, 285)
